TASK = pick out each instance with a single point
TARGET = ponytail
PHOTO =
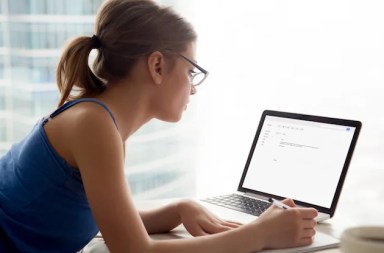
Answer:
(126, 30)
(73, 71)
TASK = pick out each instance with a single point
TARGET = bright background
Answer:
(315, 57)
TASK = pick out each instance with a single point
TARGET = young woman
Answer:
(65, 181)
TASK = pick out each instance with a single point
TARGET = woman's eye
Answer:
(192, 72)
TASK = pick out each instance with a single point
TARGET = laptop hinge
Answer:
(256, 196)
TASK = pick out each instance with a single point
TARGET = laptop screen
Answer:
(300, 157)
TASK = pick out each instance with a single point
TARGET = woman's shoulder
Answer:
(90, 119)
(83, 126)
(88, 112)
(89, 115)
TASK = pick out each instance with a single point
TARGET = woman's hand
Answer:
(282, 228)
(199, 221)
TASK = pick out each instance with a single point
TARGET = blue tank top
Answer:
(43, 206)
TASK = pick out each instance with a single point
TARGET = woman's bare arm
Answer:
(98, 151)
(162, 219)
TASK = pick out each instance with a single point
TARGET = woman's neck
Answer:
(129, 104)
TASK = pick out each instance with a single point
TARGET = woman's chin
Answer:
(171, 119)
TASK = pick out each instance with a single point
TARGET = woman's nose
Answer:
(193, 90)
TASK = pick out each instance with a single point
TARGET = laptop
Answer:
(297, 156)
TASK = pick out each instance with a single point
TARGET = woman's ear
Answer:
(155, 64)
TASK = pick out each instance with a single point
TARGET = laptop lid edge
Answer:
(331, 210)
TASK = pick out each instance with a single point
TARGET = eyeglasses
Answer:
(197, 78)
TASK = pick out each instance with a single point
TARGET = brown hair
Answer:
(125, 30)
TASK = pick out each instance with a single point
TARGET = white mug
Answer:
(362, 239)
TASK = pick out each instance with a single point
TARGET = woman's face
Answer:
(177, 86)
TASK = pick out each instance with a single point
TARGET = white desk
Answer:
(98, 245)
(361, 203)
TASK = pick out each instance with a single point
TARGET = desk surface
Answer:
(326, 227)
(361, 203)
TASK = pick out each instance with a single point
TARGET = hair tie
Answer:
(96, 43)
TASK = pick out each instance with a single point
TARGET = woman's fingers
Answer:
(308, 213)
(217, 226)
(196, 230)
(305, 241)
(231, 224)
(308, 232)
(308, 223)
(289, 202)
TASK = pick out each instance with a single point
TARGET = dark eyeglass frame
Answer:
(201, 69)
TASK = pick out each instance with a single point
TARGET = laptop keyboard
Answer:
(240, 203)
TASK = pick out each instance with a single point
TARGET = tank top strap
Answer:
(74, 102)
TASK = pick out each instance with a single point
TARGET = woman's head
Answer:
(125, 31)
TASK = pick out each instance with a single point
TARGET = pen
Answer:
(278, 203)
